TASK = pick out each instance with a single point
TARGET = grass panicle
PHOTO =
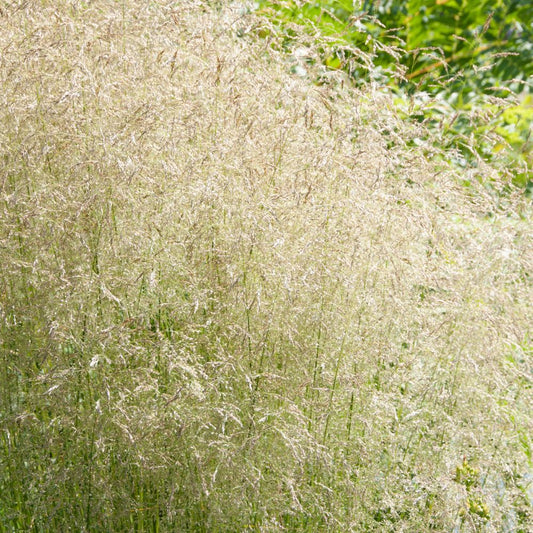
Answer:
(232, 299)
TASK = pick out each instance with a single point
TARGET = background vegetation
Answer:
(234, 299)
(463, 68)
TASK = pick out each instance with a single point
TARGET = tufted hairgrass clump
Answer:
(234, 299)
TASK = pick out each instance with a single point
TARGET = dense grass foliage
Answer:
(232, 299)
(464, 68)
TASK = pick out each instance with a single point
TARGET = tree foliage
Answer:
(469, 63)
